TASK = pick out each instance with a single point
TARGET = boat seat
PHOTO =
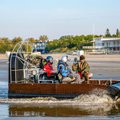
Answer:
(43, 78)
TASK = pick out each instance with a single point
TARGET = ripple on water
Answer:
(3, 111)
(3, 90)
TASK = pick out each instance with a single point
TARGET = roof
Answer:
(110, 39)
(106, 39)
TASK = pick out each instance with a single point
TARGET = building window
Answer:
(114, 43)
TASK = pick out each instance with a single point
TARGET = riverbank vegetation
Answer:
(65, 43)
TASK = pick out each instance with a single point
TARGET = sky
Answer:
(56, 18)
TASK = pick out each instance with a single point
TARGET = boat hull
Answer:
(55, 90)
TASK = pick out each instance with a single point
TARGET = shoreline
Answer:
(57, 56)
(3, 56)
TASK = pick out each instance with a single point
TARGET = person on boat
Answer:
(42, 62)
(48, 68)
(82, 68)
(64, 72)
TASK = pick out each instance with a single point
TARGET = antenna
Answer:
(93, 30)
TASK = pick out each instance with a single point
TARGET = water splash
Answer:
(80, 100)
(97, 96)
(99, 92)
(93, 99)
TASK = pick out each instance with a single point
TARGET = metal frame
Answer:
(19, 47)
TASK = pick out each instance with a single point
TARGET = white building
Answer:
(109, 44)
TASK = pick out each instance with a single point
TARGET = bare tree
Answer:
(43, 38)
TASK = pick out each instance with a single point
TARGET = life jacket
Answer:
(48, 69)
(59, 66)
(63, 68)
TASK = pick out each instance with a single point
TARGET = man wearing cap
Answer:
(83, 68)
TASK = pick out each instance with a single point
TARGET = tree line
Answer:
(7, 44)
(108, 34)
(63, 44)
(71, 43)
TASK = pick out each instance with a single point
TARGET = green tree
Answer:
(31, 40)
(117, 33)
(107, 34)
(16, 40)
(67, 41)
(5, 45)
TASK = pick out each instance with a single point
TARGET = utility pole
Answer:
(93, 30)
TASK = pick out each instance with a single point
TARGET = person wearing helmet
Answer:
(64, 72)
(63, 66)
(83, 68)
(48, 68)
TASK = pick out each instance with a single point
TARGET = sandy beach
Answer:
(102, 66)
(3, 56)
(57, 56)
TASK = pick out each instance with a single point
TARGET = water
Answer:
(83, 107)
(3, 89)
(4, 111)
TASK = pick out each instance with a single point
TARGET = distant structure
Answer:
(40, 47)
(104, 45)
(110, 45)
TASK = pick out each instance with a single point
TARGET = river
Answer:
(80, 110)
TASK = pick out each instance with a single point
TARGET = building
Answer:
(40, 47)
(108, 44)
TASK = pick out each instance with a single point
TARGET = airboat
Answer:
(27, 79)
